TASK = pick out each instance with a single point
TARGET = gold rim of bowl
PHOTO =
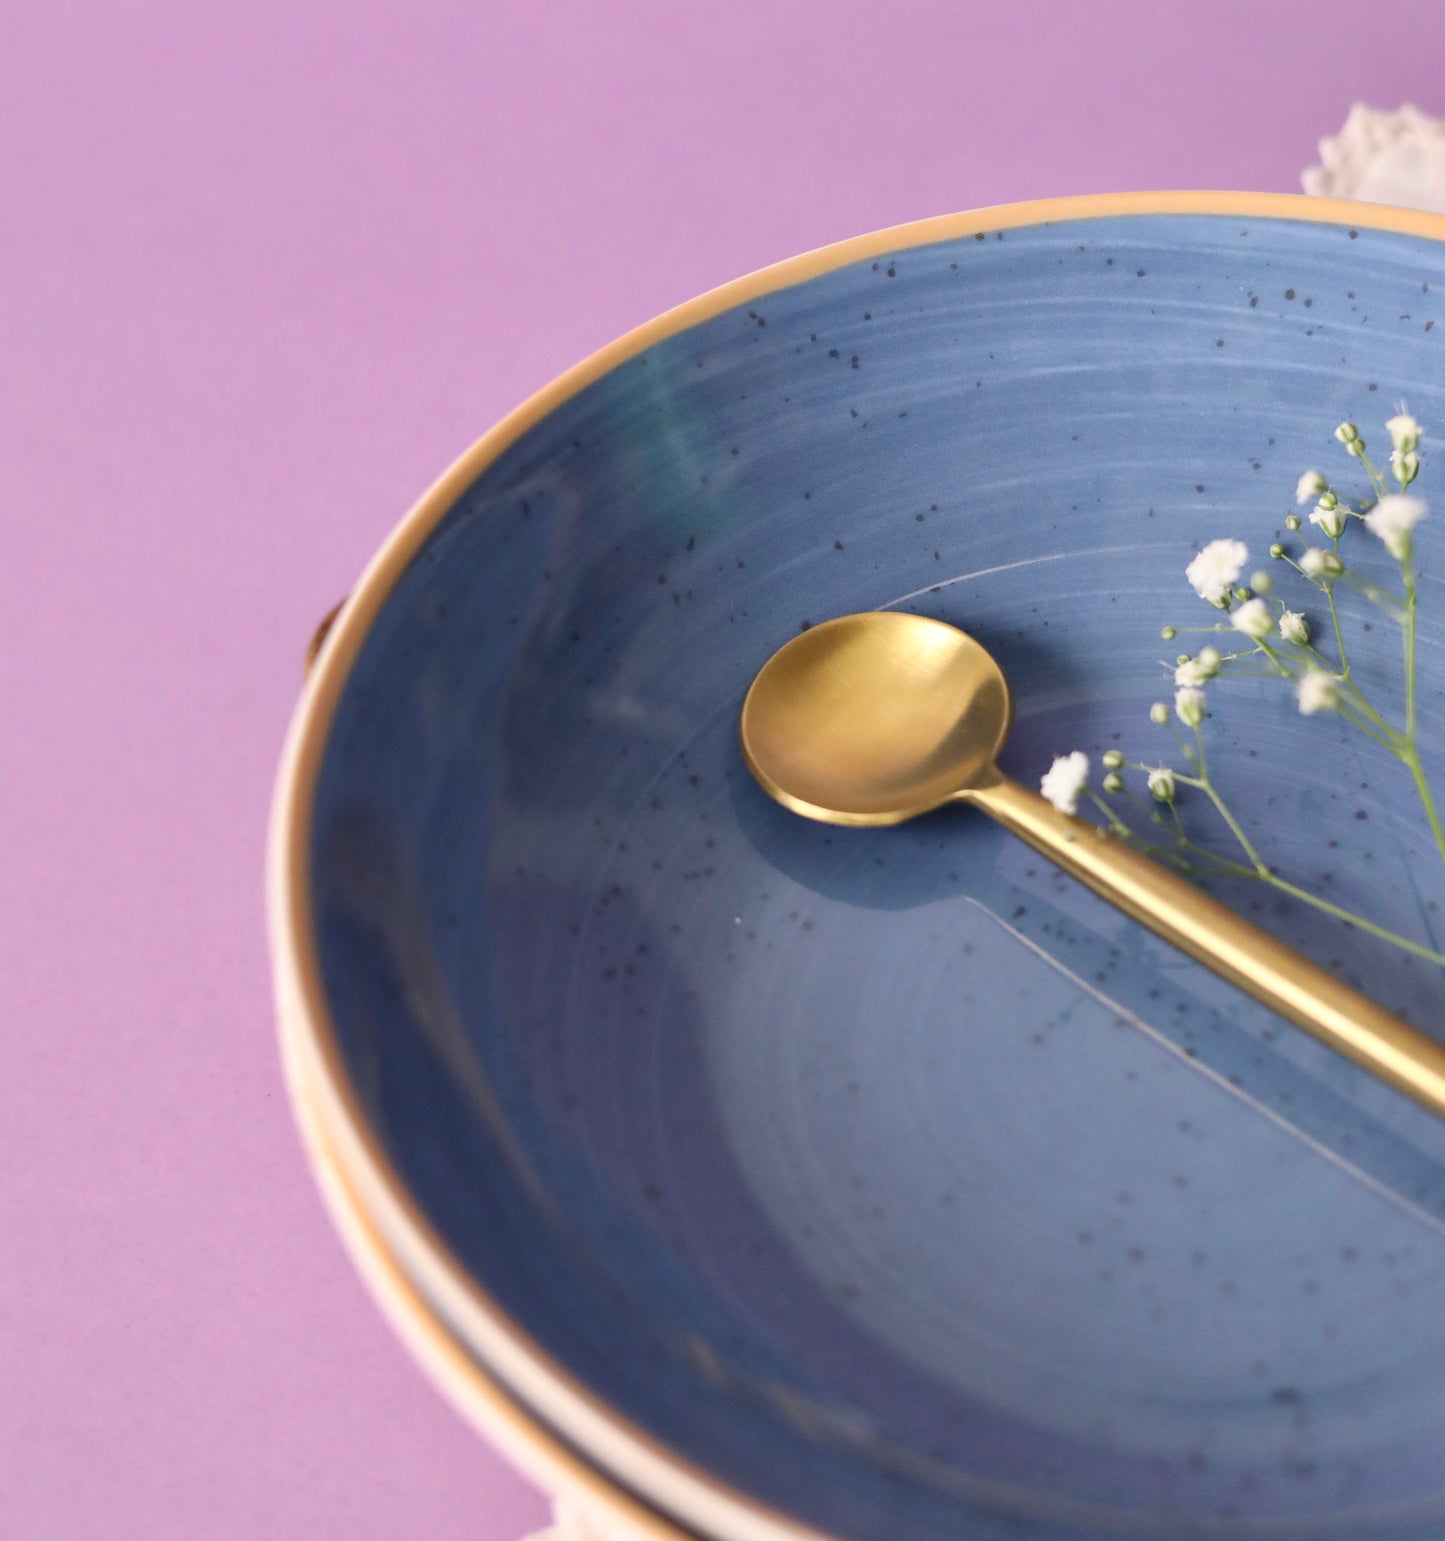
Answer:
(482, 1400)
(377, 1191)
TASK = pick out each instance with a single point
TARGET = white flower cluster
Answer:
(1271, 640)
(1198, 671)
(1215, 571)
(1317, 691)
(1383, 157)
(1280, 636)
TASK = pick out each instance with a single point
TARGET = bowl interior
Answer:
(884, 1174)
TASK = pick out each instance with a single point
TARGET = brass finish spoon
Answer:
(871, 719)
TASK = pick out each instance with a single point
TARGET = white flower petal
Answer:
(1311, 484)
(1317, 692)
(1404, 431)
(1217, 567)
(1331, 520)
(1189, 706)
(1293, 627)
(1315, 562)
(1192, 673)
(1253, 619)
(1393, 520)
(1065, 779)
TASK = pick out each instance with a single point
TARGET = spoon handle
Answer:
(1224, 941)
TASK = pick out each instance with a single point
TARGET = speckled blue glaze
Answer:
(887, 1175)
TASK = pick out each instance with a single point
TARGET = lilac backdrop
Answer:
(266, 269)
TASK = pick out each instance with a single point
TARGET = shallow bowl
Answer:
(815, 1181)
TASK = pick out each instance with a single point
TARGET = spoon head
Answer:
(873, 718)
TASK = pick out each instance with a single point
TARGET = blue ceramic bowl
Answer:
(881, 1183)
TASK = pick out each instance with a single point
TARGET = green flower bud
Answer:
(1404, 433)
(1113, 782)
(1168, 633)
(1317, 562)
(1161, 785)
(1189, 705)
(1261, 583)
(1331, 520)
(1112, 759)
(1276, 550)
(1159, 714)
(1294, 628)
(1347, 433)
(1328, 500)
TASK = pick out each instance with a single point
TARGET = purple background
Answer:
(266, 269)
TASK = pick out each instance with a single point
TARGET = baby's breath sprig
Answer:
(1266, 638)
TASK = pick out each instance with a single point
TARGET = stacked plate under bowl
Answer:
(757, 1179)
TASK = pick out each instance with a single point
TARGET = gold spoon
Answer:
(871, 719)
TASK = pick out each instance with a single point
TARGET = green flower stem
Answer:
(1179, 834)
(1116, 825)
(1410, 753)
(1382, 598)
(1281, 661)
(1171, 856)
(1178, 738)
(1407, 627)
(1327, 664)
(1377, 480)
(1348, 916)
(1357, 711)
(1422, 786)
(1392, 743)
(1262, 873)
(1374, 724)
(1260, 674)
(1235, 830)
(1339, 634)
(1206, 786)
(1198, 755)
